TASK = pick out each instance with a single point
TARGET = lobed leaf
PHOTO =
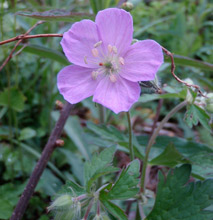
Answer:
(175, 200)
(126, 185)
(98, 166)
(196, 114)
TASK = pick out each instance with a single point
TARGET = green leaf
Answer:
(199, 154)
(196, 114)
(11, 192)
(6, 209)
(169, 157)
(57, 15)
(27, 133)
(151, 24)
(170, 95)
(72, 188)
(126, 185)
(98, 166)
(175, 200)
(48, 184)
(98, 5)
(106, 135)
(106, 132)
(46, 53)
(186, 61)
(12, 98)
(114, 210)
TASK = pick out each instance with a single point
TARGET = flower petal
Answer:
(142, 61)
(79, 41)
(118, 96)
(115, 27)
(75, 83)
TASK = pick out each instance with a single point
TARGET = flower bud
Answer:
(209, 103)
(189, 97)
(63, 200)
(128, 6)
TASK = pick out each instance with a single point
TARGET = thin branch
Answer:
(152, 140)
(157, 115)
(131, 150)
(41, 164)
(168, 53)
(13, 50)
(23, 37)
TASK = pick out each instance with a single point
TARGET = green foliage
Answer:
(196, 114)
(175, 200)
(126, 185)
(190, 150)
(27, 133)
(100, 165)
(114, 210)
(9, 195)
(12, 98)
(44, 52)
(169, 157)
(26, 119)
(98, 5)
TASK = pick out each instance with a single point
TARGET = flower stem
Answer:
(130, 137)
(101, 114)
(88, 209)
(152, 140)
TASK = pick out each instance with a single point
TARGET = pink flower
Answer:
(106, 65)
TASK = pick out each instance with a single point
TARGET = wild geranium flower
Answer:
(105, 64)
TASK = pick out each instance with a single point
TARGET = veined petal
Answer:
(75, 83)
(79, 41)
(115, 27)
(118, 96)
(142, 61)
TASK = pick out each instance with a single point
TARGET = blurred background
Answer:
(29, 80)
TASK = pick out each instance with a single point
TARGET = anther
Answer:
(110, 48)
(98, 44)
(112, 78)
(101, 64)
(85, 60)
(114, 49)
(121, 60)
(94, 75)
(95, 52)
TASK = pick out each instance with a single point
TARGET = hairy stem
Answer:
(88, 210)
(41, 164)
(152, 140)
(131, 150)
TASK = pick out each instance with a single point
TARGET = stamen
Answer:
(114, 48)
(110, 48)
(95, 52)
(121, 60)
(94, 75)
(112, 78)
(98, 44)
(85, 60)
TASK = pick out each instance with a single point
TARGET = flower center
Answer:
(108, 63)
